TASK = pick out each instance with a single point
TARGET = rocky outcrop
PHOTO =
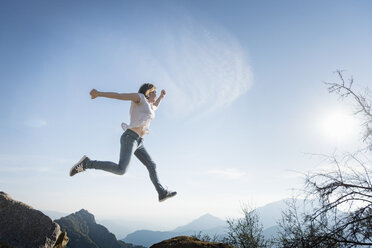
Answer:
(23, 226)
(84, 232)
(188, 242)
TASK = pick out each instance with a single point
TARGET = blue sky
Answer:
(245, 102)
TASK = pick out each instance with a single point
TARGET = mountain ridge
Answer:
(84, 232)
(269, 215)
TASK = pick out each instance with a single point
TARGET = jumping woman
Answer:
(143, 105)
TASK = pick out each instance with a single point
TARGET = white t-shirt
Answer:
(141, 114)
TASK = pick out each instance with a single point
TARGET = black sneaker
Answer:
(79, 166)
(167, 194)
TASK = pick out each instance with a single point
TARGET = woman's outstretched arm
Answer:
(120, 96)
(162, 94)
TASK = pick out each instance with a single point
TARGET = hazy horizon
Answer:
(122, 227)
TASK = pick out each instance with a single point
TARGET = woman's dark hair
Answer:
(146, 89)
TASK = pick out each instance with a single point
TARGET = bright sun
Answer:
(339, 126)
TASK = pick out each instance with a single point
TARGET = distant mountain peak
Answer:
(83, 211)
(207, 215)
(82, 216)
(204, 222)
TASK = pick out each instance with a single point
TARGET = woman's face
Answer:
(152, 96)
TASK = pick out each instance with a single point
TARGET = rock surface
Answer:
(23, 226)
(188, 242)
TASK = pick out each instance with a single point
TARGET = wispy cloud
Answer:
(205, 68)
(229, 173)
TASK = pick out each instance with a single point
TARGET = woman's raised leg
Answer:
(128, 145)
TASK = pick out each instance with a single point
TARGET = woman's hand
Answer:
(162, 94)
(93, 93)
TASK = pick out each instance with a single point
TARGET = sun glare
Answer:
(339, 126)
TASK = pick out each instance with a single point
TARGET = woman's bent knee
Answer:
(122, 168)
(121, 172)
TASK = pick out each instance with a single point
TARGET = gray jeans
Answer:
(131, 143)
